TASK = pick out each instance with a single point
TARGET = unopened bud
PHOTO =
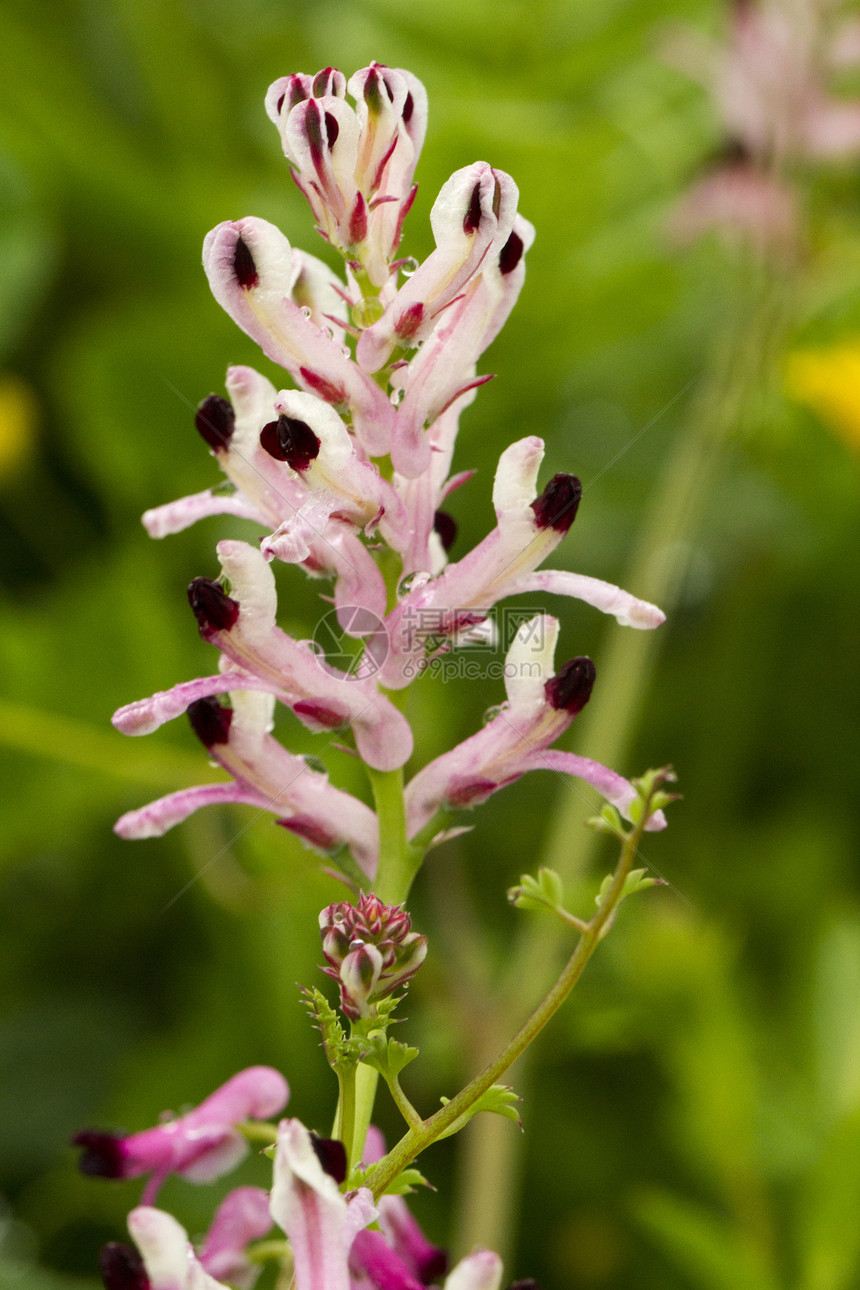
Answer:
(370, 950)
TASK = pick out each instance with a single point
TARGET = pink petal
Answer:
(173, 517)
(155, 819)
(609, 599)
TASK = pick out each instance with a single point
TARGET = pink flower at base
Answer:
(243, 1216)
(198, 1146)
(320, 1222)
(425, 1261)
(540, 708)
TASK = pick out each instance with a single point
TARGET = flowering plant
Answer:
(346, 472)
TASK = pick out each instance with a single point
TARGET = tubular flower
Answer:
(328, 1232)
(540, 707)
(529, 527)
(163, 1260)
(199, 1146)
(243, 1216)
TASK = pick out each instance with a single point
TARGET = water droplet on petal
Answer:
(314, 763)
(490, 715)
(367, 311)
(396, 397)
(413, 581)
(306, 311)
(346, 351)
(409, 266)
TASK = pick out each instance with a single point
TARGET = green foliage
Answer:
(405, 1182)
(708, 1068)
(499, 1099)
(388, 1056)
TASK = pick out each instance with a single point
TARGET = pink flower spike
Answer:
(199, 1146)
(242, 1216)
(308, 1205)
(472, 219)
(167, 1254)
(253, 273)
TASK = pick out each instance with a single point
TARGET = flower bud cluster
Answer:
(371, 951)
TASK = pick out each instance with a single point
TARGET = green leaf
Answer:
(405, 1182)
(499, 1099)
(341, 1052)
(388, 1056)
(545, 892)
(636, 880)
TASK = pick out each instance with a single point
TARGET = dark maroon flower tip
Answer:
(122, 1268)
(210, 721)
(446, 526)
(512, 253)
(102, 1156)
(215, 421)
(214, 610)
(243, 265)
(408, 108)
(472, 218)
(571, 688)
(290, 440)
(557, 505)
(331, 1153)
(432, 1267)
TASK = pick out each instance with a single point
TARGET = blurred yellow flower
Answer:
(827, 379)
(18, 419)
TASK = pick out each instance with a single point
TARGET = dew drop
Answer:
(368, 311)
(413, 581)
(314, 763)
(346, 351)
(396, 397)
(409, 266)
(307, 312)
(490, 715)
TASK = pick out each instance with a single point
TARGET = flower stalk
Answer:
(456, 1111)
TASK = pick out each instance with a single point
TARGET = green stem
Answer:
(258, 1131)
(421, 1136)
(398, 863)
(724, 406)
(366, 1080)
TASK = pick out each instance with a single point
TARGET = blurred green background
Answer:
(695, 1119)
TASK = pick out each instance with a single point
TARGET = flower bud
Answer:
(371, 951)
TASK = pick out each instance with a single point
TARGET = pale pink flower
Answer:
(540, 707)
(201, 1145)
